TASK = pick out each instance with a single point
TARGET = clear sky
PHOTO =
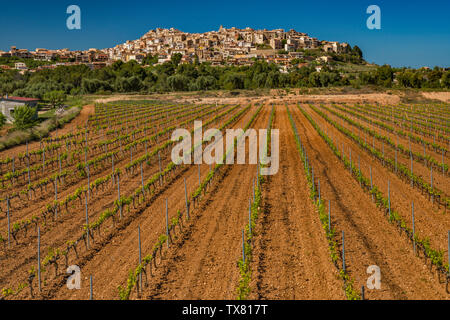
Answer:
(413, 33)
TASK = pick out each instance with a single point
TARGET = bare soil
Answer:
(291, 258)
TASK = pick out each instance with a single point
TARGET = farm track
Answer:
(80, 120)
(419, 168)
(291, 257)
(369, 239)
(111, 262)
(429, 219)
(203, 263)
(69, 226)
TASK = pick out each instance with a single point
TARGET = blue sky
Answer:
(413, 33)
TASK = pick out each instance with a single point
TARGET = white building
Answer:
(9, 104)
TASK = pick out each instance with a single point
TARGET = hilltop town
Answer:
(226, 46)
(231, 46)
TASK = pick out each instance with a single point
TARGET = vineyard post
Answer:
(43, 160)
(159, 160)
(199, 179)
(318, 183)
(413, 227)
(56, 197)
(9, 222)
(250, 216)
(411, 160)
(140, 256)
(87, 221)
(329, 216)
(253, 192)
(442, 161)
(112, 161)
(59, 160)
(167, 224)
(142, 181)
(424, 154)
(343, 251)
(186, 199)
(389, 198)
(89, 181)
(312, 173)
(409, 140)
(118, 194)
(14, 170)
(39, 258)
(362, 292)
(359, 168)
(257, 174)
(395, 159)
(350, 150)
(28, 167)
(431, 178)
(91, 295)
(243, 247)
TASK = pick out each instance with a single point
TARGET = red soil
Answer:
(291, 257)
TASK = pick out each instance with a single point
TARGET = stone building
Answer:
(9, 104)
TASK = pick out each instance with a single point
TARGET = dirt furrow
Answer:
(292, 259)
(111, 263)
(369, 238)
(203, 265)
(430, 220)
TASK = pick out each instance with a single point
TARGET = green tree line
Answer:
(173, 76)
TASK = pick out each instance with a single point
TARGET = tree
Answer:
(233, 81)
(205, 83)
(55, 98)
(176, 58)
(314, 79)
(150, 60)
(2, 120)
(446, 80)
(357, 52)
(24, 117)
(178, 82)
(385, 75)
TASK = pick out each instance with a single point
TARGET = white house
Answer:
(8, 105)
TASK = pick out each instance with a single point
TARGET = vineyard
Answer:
(358, 185)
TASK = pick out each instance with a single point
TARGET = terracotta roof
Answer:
(23, 99)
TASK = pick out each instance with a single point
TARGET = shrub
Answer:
(24, 117)
(2, 120)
